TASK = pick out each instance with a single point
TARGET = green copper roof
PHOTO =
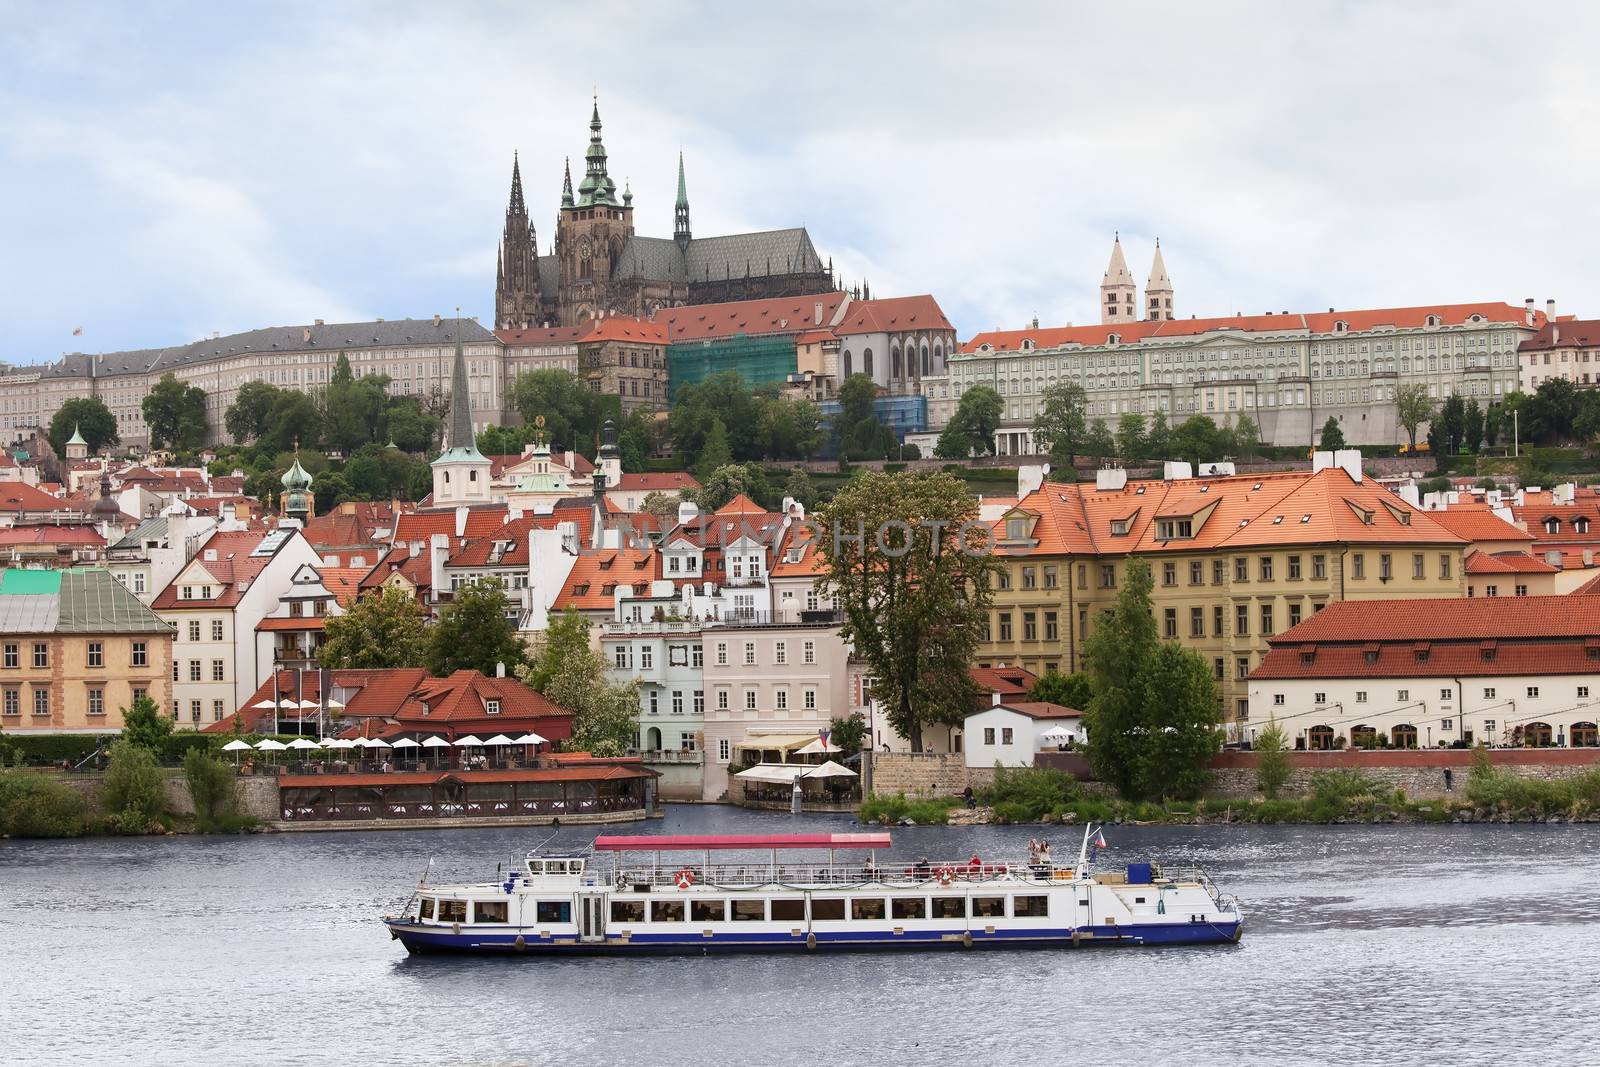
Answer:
(81, 600)
(30, 583)
(296, 477)
(77, 438)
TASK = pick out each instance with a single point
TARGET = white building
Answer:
(1435, 673)
(1009, 734)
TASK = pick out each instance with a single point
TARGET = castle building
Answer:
(600, 266)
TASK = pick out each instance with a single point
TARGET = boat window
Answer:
(627, 911)
(489, 911)
(425, 909)
(452, 911)
(910, 907)
(949, 908)
(707, 911)
(789, 909)
(666, 911)
(746, 911)
(1030, 907)
(554, 911)
(866, 908)
(988, 907)
(827, 909)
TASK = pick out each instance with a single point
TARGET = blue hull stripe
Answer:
(423, 939)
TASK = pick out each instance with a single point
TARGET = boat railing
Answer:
(749, 875)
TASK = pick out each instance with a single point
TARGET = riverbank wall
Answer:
(257, 795)
(1419, 773)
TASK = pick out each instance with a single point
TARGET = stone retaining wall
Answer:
(258, 794)
(925, 774)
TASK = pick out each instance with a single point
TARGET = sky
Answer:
(175, 169)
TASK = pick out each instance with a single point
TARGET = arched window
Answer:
(927, 366)
(866, 363)
(846, 363)
(894, 363)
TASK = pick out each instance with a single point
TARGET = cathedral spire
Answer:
(1158, 289)
(566, 185)
(516, 187)
(597, 186)
(1118, 292)
(460, 473)
(516, 291)
(461, 436)
(680, 213)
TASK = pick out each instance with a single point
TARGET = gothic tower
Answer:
(680, 212)
(516, 291)
(591, 231)
(1119, 296)
(461, 473)
(1158, 290)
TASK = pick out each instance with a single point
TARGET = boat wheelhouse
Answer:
(702, 894)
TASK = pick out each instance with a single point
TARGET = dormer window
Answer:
(1120, 527)
(492, 706)
(1341, 326)
(1114, 339)
(1027, 344)
(1016, 529)
(1552, 525)
(1433, 320)
(1174, 529)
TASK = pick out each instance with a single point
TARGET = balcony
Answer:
(669, 755)
(770, 619)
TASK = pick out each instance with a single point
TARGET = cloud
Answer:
(198, 167)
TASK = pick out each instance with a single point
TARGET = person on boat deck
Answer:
(923, 867)
(975, 864)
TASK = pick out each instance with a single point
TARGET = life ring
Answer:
(947, 874)
(521, 944)
(685, 878)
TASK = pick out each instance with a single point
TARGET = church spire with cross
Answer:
(461, 473)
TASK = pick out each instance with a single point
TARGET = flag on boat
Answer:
(822, 735)
(1099, 839)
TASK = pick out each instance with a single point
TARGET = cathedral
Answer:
(1119, 295)
(599, 266)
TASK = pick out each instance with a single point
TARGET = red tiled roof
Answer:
(1507, 563)
(234, 569)
(547, 335)
(1478, 523)
(595, 576)
(1566, 516)
(51, 535)
(1007, 681)
(1564, 333)
(625, 328)
(1318, 322)
(376, 692)
(668, 482)
(1441, 619)
(811, 337)
(460, 700)
(18, 496)
(418, 569)
(476, 551)
(777, 315)
(1042, 709)
(305, 622)
(421, 525)
(897, 314)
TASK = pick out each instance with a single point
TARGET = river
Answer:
(1364, 945)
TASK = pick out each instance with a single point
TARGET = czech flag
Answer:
(1099, 839)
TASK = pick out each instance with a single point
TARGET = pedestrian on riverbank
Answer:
(1449, 780)
(967, 795)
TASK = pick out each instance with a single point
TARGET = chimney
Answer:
(1110, 479)
(1550, 310)
(1527, 314)
(688, 511)
(436, 318)
(994, 700)
(438, 554)
(499, 669)
(305, 335)
(317, 322)
(461, 520)
(1555, 335)
(816, 312)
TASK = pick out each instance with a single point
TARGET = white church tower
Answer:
(1119, 296)
(461, 473)
(1158, 290)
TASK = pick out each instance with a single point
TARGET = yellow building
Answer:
(1233, 561)
(76, 648)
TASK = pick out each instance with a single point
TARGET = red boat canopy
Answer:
(719, 842)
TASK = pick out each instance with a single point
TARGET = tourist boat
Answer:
(664, 894)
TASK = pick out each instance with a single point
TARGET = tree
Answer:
(799, 486)
(1197, 440)
(90, 417)
(409, 425)
(353, 408)
(144, 725)
(791, 428)
(1158, 438)
(246, 418)
(727, 482)
(1061, 425)
(914, 589)
(1153, 719)
(1246, 438)
(383, 629)
(572, 674)
(176, 414)
(1272, 759)
(572, 412)
(848, 733)
(661, 507)
(566, 636)
(861, 434)
(1131, 442)
(637, 437)
(722, 396)
(1493, 425)
(1413, 407)
(1069, 690)
(213, 787)
(976, 418)
(134, 796)
(1332, 435)
(1453, 421)
(715, 452)
(1472, 426)
(1548, 415)
(473, 632)
(1098, 442)
(294, 419)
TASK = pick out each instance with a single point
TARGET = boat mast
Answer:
(1082, 869)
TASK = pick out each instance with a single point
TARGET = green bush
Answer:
(39, 750)
(1037, 790)
(134, 796)
(213, 787)
(1340, 786)
(32, 805)
(1011, 811)
(888, 810)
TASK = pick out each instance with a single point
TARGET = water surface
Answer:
(1364, 945)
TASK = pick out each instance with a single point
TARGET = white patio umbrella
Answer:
(374, 742)
(498, 741)
(530, 738)
(341, 743)
(829, 769)
(269, 745)
(815, 747)
(265, 705)
(236, 747)
(303, 743)
(332, 703)
(468, 741)
(406, 742)
(435, 742)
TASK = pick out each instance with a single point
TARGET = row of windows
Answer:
(94, 654)
(1446, 693)
(830, 909)
(219, 671)
(780, 653)
(194, 629)
(94, 700)
(780, 699)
